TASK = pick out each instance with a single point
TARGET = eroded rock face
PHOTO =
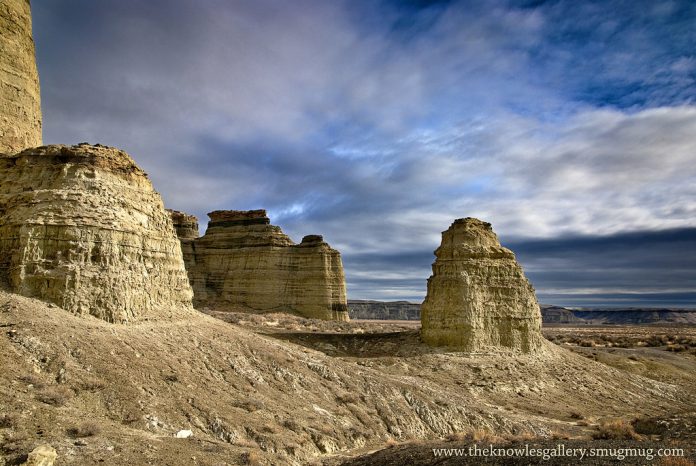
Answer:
(478, 296)
(244, 262)
(83, 228)
(20, 102)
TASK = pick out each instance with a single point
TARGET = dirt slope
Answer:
(273, 393)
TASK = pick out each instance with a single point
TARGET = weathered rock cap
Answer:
(228, 218)
(312, 239)
(471, 238)
(84, 154)
(186, 225)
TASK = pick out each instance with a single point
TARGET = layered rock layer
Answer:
(20, 102)
(83, 228)
(478, 296)
(186, 227)
(244, 262)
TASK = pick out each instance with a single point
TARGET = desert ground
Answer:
(280, 389)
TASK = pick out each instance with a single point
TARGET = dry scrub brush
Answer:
(88, 429)
(617, 429)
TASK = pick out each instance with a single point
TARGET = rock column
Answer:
(478, 297)
(20, 102)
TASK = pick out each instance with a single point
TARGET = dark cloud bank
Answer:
(571, 126)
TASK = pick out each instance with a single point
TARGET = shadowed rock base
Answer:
(478, 297)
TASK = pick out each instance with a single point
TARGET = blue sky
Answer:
(569, 125)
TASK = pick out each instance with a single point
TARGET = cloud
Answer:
(377, 123)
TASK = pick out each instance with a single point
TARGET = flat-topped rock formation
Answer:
(82, 227)
(478, 297)
(244, 262)
(20, 102)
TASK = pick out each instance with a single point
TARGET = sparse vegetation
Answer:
(601, 337)
(617, 429)
(8, 421)
(292, 425)
(57, 396)
(14, 442)
(251, 458)
(32, 380)
(88, 429)
(92, 385)
(346, 398)
(484, 435)
(250, 405)
(648, 426)
(675, 461)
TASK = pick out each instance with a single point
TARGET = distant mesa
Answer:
(20, 102)
(478, 297)
(383, 310)
(243, 262)
(82, 227)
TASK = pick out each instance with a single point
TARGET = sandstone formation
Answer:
(244, 262)
(20, 107)
(82, 227)
(478, 296)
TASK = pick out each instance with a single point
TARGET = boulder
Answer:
(245, 263)
(20, 103)
(43, 455)
(82, 227)
(478, 297)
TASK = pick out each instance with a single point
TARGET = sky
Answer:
(569, 125)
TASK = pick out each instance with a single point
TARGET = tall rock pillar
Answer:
(478, 297)
(20, 102)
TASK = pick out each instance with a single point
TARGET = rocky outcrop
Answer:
(478, 297)
(43, 455)
(244, 262)
(82, 227)
(20, 103)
